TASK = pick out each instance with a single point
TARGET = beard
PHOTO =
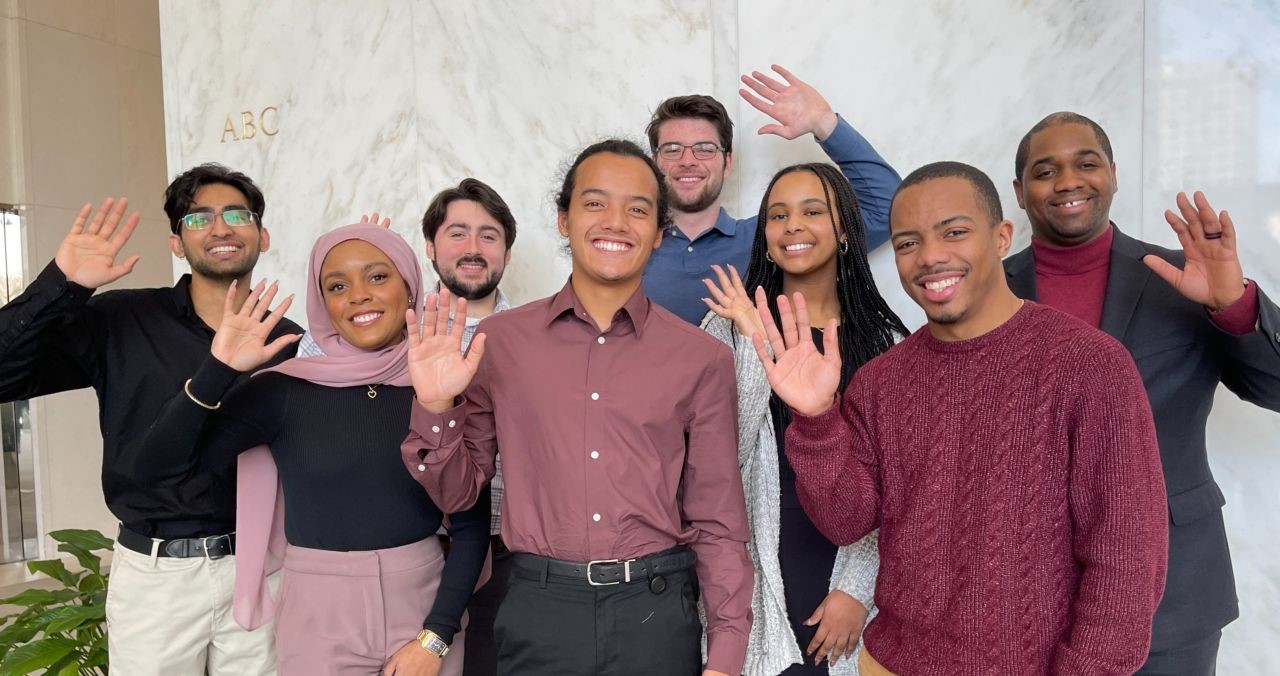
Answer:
(471, 291)
(221, 271)
(699, 202)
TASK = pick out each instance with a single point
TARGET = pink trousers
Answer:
(347, 613)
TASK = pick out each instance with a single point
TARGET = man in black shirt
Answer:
(172, 574)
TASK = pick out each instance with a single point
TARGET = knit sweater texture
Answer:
(1015, 480)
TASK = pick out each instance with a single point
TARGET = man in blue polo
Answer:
(691, 138)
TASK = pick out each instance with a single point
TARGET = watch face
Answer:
(437, 645)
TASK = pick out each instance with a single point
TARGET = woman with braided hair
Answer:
(811, 598)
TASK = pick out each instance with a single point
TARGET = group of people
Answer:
(669, 466)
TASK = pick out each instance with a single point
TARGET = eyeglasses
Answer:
(236, 218)
(701, 151)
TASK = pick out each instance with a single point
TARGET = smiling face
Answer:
(469, 251)
(694, 184)
(220, 252)
(364, 294)
(948, 250)
(612, 219)
(1067, 185)
(800, 226)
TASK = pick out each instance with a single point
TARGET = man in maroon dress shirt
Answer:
(617, 423)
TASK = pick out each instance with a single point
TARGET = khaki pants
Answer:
(173, 617)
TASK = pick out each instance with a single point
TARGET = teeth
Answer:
(365, 317)
(797, 247)
(689, 179)
(1071, 203)
(222, 249)
(942, 284)
(605, 245)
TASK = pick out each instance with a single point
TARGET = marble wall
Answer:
(382, 104)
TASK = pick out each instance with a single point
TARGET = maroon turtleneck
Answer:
(1074, 280)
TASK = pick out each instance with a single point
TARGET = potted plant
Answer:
(62, 630)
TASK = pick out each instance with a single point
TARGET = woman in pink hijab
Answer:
(365, 584)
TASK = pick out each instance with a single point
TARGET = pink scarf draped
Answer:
(260, 540)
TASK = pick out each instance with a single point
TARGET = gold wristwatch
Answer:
(432, 643)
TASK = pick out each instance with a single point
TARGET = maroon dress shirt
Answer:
(616, 444)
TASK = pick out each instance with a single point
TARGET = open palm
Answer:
(438, 369)
(87, 255)
(1212, 275)
(241, 339)
(804, 378)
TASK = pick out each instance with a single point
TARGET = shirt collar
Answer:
(500, 305)
(725, 223)
(566, 301)
(182, 297)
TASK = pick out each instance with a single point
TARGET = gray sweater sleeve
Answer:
(753, 386)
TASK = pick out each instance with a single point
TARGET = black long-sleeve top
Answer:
(134, 347)
(338, 454)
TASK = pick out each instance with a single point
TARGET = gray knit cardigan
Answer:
(772, 645)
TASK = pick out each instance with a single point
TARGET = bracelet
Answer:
(186, 387)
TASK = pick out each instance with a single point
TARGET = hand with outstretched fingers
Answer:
(241, 339)
(802, 377)
(1212, 275)
(373, 218)
(87, 255)
(730, 300)
(438, 369)
(796, 107)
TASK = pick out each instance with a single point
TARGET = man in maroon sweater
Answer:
(1005, 451)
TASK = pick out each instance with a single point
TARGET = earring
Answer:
(844, 245)
(768, 257)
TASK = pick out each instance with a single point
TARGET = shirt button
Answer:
(422, 468)
(435, 428)
(595, 517)
(595, 396)
(453, 423)
(595, 455)
(600, 340)
(689, 249)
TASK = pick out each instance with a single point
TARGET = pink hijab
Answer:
(260, 539)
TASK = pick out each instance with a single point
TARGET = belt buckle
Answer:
(204, 542)
(626, 571)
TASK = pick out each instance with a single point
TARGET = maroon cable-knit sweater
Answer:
(1016, 482)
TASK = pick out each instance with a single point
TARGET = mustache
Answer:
(938, 270)
(477, 260)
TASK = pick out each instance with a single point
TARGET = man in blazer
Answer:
(1189, 318)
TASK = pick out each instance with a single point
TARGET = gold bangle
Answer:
(186, 387)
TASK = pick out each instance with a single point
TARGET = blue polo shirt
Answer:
(673, 277)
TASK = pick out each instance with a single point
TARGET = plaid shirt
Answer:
(308, 348)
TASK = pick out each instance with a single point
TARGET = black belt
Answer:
(605, 572)
(211, 547)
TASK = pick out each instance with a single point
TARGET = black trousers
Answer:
(481, 658)
(554, 626)
(1193, 659)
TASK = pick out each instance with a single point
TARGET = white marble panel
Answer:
(942, 80)
(1213, 124)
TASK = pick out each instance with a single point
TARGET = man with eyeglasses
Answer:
(173, 569)
(691, 138)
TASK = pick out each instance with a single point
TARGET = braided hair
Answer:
(868, 327)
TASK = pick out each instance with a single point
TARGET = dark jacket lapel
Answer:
(1125, 281)
(1020, 270)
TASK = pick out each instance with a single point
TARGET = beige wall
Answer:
(81, 118)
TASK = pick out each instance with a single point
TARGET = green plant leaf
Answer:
(87, 559)
(39, 654)
(70, 617)
(55, 569)
(67, 665)
(14, 634)
(33, 597)
(72, 668)
(92, 583)
(85, 539)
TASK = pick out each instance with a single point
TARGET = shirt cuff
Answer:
(726, 653)
(816, 426)
(211, 382)
(1240, 317)
(51, 277)
(841, 137)
(438, 430)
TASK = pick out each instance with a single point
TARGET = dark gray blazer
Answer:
(1182, 356)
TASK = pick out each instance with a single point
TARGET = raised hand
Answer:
(87, 255)
(1212, 276)
(437, 367)
(798, 108)
(803, 378)
(241, 339)
(373, 218)
(730, 300)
